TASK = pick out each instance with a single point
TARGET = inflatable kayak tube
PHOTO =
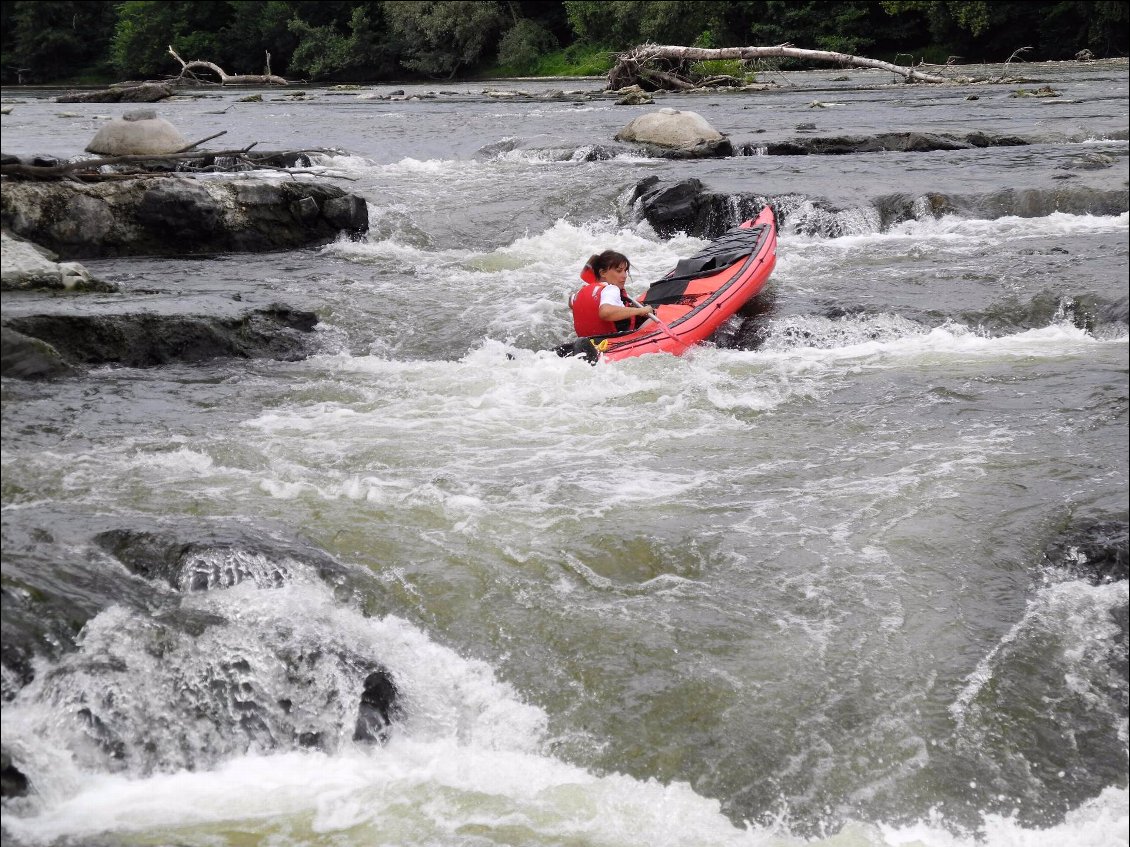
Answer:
(697, 296)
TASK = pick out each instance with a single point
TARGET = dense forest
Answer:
(92, 41)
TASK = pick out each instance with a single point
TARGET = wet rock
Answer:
(148, 340)
(1042, 91)
(24, 357)
(12, 782)
(48, 594)
(633, 95)
(177, 215)
(675, 134)
(208, 559)
(686, 206)
(26, 265)
(143, 92)
(377, 709)
(348, 213)
(898, 142)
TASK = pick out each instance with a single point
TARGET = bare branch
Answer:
(201, 141)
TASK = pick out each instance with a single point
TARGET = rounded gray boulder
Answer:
(137, 133)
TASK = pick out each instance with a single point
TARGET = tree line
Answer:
(46, 41)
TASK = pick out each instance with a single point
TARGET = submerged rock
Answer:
(174, 215)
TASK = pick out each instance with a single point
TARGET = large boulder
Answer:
(137, 133)
(175, 215)
(688, 133)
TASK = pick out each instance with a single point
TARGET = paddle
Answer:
(653, 317)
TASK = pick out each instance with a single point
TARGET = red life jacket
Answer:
(586, 305)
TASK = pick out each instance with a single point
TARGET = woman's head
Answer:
(609, 260)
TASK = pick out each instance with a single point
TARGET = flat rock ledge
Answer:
(178, 215)
(50, 346)
(885, 142)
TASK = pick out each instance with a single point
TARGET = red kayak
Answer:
(697, 296)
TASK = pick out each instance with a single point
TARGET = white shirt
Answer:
(610, 296)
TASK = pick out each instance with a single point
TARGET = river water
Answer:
(789, 588)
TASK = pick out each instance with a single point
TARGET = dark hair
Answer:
(608, 259)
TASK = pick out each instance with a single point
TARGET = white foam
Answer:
(929, 233)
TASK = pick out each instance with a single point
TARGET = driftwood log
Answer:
(654, 66)
(158, 165)
(188, 68)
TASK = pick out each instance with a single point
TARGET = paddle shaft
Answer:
(653, 317)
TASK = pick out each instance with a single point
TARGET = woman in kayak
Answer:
(602, 306)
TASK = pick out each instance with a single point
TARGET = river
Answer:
(790, 588)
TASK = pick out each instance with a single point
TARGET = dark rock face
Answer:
(46, 345)
(12, 782)
(176, 215)
(686, 206)
(378, 707)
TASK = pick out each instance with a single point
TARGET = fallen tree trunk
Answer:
(226, 78)
(91, 165)
(656, 64)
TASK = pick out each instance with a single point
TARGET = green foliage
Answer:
(574, 61)
(524, 44)
(442, 37)
(147, 28)
(325, 53)
(626, 23)
(842, 26)
(52, 40)
(980, 30)
(719, 67)
(49, 40)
